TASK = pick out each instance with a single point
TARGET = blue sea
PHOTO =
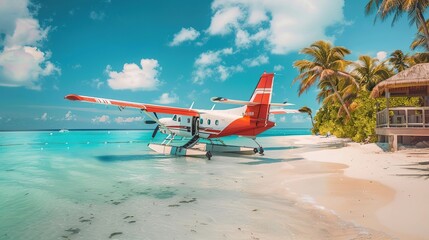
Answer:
(107, 184)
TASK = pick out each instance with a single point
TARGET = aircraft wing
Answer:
(230, 101)
(283, 111)
(141, 106)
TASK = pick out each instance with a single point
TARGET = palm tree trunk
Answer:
(340, 98)
(423, 24)
(311, 118)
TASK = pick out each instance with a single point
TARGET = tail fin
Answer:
(262, 96)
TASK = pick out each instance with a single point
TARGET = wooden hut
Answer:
(404, 125)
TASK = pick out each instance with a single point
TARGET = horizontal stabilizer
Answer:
(281, 104)
(283, 111)
(231, 101)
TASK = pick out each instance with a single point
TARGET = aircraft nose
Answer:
(163, 120)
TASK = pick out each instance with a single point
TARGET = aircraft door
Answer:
(195, 125)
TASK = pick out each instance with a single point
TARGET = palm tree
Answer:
(327, 64)
(346, 88)
(414, 9)
(420, 58)
(399, 60)
(369, 71)
(307, 110)
(420, 39)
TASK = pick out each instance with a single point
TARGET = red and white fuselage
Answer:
(215, 124)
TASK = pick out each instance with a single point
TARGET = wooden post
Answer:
(424, 117)
(395, 143)
(406, 117)
(387, 94)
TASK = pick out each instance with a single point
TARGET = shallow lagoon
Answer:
(109, 185)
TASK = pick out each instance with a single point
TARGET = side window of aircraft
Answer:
(217, 122)
(208, 121)
(189, 120)
(179, 119)
(174, 117)
(201, 121)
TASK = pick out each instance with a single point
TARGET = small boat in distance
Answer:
(63, 130)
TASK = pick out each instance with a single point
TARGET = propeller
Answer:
(155, 131)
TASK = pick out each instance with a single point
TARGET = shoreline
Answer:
(383, 191)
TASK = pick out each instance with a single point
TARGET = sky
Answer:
(169, 53)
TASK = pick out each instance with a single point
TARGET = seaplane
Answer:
(194, 125)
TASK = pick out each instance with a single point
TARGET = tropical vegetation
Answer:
(344, 87)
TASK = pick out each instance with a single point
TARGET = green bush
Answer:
(361, 125)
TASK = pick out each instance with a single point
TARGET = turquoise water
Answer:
(109, 185)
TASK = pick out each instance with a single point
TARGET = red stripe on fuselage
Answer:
(244, 126)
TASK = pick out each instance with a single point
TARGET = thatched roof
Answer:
(411, 82)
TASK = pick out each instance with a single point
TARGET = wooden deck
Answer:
(402, 121)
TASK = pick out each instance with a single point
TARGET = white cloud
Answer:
(96, 83)
(44, 117)
(185, 34)
(10, 11)
(76, 66)
(23, 66)
(101, 119)
(212, 57)
(253, 62)
(278, 68)
(132, 77)
(96, 15)
(27, 32)
(242, 39)
(224, 20)
(167, 98)
(70, 116)
(381, 55)
(225, 72)
(210, 63)
(121, 120)
(300, 118)
(22, 63)
(284, 25)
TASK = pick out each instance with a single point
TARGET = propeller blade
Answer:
(149, 122)
(155, 131)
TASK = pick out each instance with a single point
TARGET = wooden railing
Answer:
(403, 117)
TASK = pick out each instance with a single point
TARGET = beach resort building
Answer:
(404, 125)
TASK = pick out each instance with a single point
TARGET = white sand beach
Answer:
(383, 191)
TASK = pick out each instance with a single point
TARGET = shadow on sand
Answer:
(422, 172)
(279, 148)
(265, 160)
(124, 158)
